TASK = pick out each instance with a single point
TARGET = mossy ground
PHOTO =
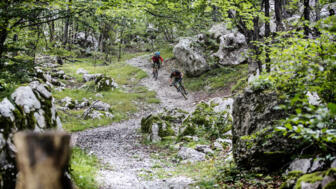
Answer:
(231, 77)
(124, 101)
(84, 169)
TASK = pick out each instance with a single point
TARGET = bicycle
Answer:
(156, 71)
(180, 88)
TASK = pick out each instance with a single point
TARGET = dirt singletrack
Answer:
(119, 146)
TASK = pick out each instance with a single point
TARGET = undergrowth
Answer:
(220, 78)
(84, 169)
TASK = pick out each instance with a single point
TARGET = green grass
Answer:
(223, 77)
(84, 169)
(122, 103)
(166, 51)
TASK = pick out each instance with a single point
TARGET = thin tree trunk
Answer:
(66, 26)
(267, 33)
(306, 14)
(317, 10)
(278, 15)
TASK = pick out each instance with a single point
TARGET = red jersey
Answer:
(157, 59)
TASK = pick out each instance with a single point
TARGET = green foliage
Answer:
(84, 169)
(220, 78)
(207, 123)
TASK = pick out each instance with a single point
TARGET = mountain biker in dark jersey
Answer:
(176, 77)
(157, 59)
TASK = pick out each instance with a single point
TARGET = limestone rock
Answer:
(109, 115)
(333, 164)
(253, 114)
(327, 180)
(102, 106)
(6, 109)
(218, 146)
(25, 98)
(192, 59)
(68, 102)
(81, 71)
(155, 134)
(90, 77)
(190, 155)
(317, 165)
(302, 165)
(315, 185)
(204, 148)
(95, 115)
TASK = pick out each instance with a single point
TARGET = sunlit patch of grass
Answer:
(223, 77)
(84, 169)
(124, 101)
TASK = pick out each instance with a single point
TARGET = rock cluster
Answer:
(220, 46)
(28, 107)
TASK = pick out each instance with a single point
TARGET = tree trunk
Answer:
(267, 34)
(43, 160)
(66, 26)
(278, 15)
(306, 14)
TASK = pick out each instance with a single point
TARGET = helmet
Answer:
(157, 53)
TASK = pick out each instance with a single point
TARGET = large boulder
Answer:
(232, 46)
(190, 55)
(254, 115)
(28, 107)
(219, 46)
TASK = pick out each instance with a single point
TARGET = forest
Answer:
(245, 95)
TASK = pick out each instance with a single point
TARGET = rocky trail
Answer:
(119, 146)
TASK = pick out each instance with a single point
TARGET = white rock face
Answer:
(300, 165)
(155, 134)
(90, 77)
(101, 106)
(190, 155)
(190, 57)
(6, 109)
(95, 115)
(223, 104)
(40, 118)
(2, 141)
(232, 48)
(81, 71)
(25, 97)
(41, 89)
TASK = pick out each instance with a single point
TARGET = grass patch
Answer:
(166, 51)
(223, 77)
(83, 169)
(123, 103)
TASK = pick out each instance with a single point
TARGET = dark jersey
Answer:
(176, 74)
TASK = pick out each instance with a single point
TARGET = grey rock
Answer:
(95, 115)
(180, 182)
(326, 180)
(305, 185)
(223, 104)
(99, 95)
(2, 141)
(68, 102)
(313, 98)
(325, 9)
(221, 141)
(190, 155)
(101, 106)
(232, 49)
(81, 71)
(204, 149)
(40, 119)
(190, 57)
(333, 164)
(91, 77)
(155, 133)
(218, 30)
(218, 146)
(6, 109)
(25, 98)
(41, 88)
(318, 165)
(302, 165)
(109, 115)
(59, 123)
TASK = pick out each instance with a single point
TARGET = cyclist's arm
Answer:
(161, 59)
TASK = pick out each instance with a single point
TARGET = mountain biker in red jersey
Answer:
(177, 76)
(157, 59)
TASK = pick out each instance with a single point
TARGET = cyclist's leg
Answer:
(182, 86)
(175, 82)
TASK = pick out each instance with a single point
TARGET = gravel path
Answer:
(119, 145)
